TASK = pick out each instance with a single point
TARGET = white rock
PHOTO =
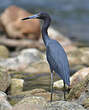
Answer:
(4, 104)
(64, 105)
(16, 85)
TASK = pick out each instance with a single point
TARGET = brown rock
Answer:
(82, 86)
(15, 27)
(79, 76)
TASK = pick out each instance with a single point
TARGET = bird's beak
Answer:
(31, 17)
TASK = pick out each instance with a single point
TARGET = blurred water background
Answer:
(70, 17)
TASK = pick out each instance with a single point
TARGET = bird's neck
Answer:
(44, 30)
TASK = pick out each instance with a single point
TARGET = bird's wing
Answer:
(57, 59)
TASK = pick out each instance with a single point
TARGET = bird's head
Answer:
(41, 15)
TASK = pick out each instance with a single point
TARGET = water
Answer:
(33, 81)
(71, 17)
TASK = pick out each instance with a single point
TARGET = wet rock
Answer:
(15, 27)
(64, 105)
(35, 92)
(16, 85)
(4, 104)
(4, 52)
(5, 79)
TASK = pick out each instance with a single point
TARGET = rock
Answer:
(86, 103)
(28, 106)
(31, 103)
(85, 55)
(74, 58)
(4, 104)
(22, 61)
(79, 76)
(16, 85)
(35, 55)
(15, 27)
(78, 89)
(29, 61)
(35, 92)
(3, 96)
(33, 100)
(4, 52)
(38, 67)
(59, 84)
(5, 79)
(64, 105)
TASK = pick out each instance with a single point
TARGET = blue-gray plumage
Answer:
(58, 60)
(55, 53)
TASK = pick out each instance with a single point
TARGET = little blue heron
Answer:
(55, 53)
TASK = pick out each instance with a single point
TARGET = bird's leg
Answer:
(64, 91)
(51, 85)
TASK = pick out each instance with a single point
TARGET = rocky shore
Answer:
(23, 63)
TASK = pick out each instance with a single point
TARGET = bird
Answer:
(55, 53)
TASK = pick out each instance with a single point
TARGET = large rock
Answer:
(4, 104)
(28, 106)
(5, 79)
(79, 76)
(23, 60)
(80, 88)
(15, 27)
(4, 52)
(31, 103)
(64, 105)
